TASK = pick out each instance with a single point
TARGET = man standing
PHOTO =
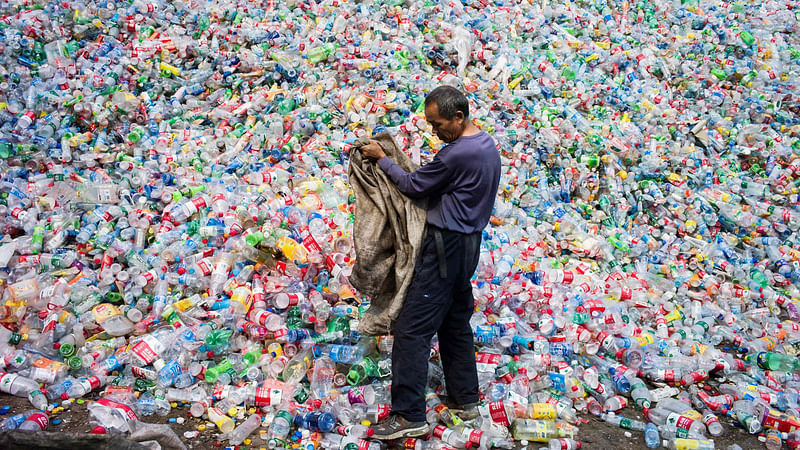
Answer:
(461, 185)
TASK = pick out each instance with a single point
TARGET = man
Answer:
(461, 185)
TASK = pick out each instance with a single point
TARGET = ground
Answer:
(595, 435)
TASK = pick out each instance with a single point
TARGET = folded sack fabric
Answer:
(387, 233)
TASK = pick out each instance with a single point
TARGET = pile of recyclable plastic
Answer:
(176, 218)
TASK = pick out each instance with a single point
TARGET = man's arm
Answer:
(426, 180)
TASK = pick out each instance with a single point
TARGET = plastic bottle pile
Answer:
(175, 212)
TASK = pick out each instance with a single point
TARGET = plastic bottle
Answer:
(745, 414)
(316, 421)
(244, 429)
(439, 410)
(623, 422)
(17, 385)
(37, 421)
(449, 436)
(537, 430)
(13, 422)
(224, 423)
(84, 386)
(678, 423)
(775, 361)
(651, 436)
(279, 428)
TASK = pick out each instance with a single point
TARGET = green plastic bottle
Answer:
(777, 361)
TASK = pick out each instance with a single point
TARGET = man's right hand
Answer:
(372, 151)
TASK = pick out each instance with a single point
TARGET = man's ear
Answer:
(459, 116)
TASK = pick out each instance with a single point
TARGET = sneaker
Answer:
(396, 427)
(465, 412)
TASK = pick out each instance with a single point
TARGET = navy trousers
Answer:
(439, 300)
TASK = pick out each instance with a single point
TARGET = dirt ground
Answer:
(595, 435)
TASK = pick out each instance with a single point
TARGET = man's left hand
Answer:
(372, 151)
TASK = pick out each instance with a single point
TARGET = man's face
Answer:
(448, 130)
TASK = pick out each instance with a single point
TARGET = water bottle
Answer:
(651, 436)
(316, 421)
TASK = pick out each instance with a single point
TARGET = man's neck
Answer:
(470, 129)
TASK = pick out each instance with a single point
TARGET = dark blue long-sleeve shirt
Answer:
(460, 183)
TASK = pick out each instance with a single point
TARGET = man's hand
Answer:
(372, 150)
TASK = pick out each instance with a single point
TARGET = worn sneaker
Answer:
(465, 412)
(396, 427)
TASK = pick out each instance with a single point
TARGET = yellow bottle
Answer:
(224, 423)
(241, 299)
(292, 250)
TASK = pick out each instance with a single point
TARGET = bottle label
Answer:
(539, 431)
(442, 433)
(542, 360)
(333, 352)
(543, 411)
(308, 241)
(559, 381)
(120, 406)
(267, 397)
(110, 390)
(625, 423)
(669, 375)
(680, 423)
(45, 370)
(146, 374)
(148, 349)
(518, 398)
(344, 430)
(242, 295)
(104, 311)
(111, 363)
(172, 370)
(40, 419)
(497, 410)
(204, 266)
(90, 383)
(475, 437)
(280, 333)
(486, 362)
(709, 419)
(565, 444)
(603, 338)
(6, 380)
(645, 339)
(691, 444)
(199, 202)
(218, 417)
(383, 411)
(693, 414)
(221, 391)
(410, 443)
(183, 305)
(781, 421)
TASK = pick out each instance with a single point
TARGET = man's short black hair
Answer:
(449, 100)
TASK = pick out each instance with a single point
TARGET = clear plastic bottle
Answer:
(241, 432)
(651, 436)
(17, 385)
(224, 423)
(37, 421)
(13, 422)
(279, 428)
